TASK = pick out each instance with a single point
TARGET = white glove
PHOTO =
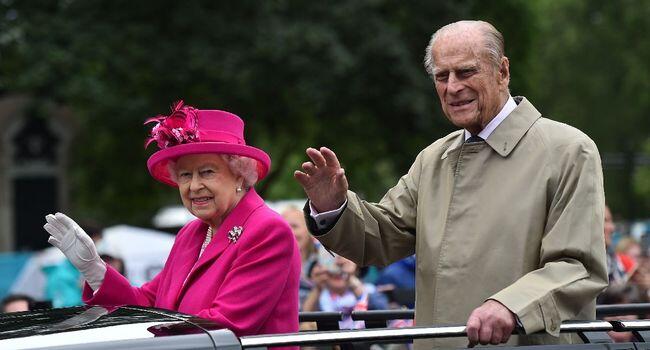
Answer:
(77, 246)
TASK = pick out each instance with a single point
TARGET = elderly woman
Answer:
(238, 264)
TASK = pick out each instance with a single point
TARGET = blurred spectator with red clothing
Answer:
(631, 250)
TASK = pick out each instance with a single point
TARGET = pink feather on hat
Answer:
(187, 130)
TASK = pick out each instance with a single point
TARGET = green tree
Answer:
(346, 74)
(589, 68)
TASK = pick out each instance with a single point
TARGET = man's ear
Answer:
(504, 72)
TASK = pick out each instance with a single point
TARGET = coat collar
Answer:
(237, 217)
(508, 134)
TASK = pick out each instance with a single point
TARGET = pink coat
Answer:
(249, 287)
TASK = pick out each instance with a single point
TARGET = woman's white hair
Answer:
(243, 166)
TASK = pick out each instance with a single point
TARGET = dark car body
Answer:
(96, 327)
(134, 327)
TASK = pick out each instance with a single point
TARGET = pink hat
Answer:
(187, 130)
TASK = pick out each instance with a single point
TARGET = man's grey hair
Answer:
(493, 40)
(243, 166)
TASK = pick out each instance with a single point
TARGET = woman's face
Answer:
(297, 223)
(207, 186)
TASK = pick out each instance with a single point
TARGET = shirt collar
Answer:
(508, 107)
(506, 137)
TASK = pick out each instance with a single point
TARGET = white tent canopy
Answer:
(144, 251)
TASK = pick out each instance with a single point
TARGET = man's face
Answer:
(471, 89)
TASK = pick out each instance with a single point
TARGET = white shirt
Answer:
(492, 125)
(324, 219)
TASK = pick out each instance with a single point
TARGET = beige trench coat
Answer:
(518, 218)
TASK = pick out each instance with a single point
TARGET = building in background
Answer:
(34, 141)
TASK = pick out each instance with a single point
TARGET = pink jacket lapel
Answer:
(185, 256)
(219, 243)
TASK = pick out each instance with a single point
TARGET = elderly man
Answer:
(505, 216)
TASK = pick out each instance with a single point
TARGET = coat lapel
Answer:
(185, 258)
(220, 241)
(508, 134)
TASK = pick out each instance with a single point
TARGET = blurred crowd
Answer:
(333, 283)
(628, 265)
(53, 281)
(330, 282)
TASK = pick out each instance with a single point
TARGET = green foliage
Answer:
(345, 74)
(589, 68)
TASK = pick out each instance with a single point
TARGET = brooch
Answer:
(234, 233)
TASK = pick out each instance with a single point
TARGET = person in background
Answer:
(398, 280)
(17, 303)
(640, 281)
(237, 264)
(615, 266)
(505, 215)
(630, 247)
(63, 284)
(112, 256)
(337, 287)
(296, 221)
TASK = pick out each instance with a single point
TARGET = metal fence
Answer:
(593, 333)
(327, 321)
(586, 330)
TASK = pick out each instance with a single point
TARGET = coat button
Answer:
(553, 325)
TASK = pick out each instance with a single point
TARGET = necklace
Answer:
(208, 238)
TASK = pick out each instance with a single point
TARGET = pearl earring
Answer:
(238, 189)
